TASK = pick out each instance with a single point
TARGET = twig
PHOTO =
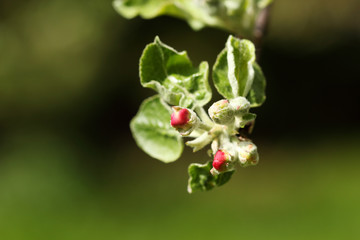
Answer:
(261, 26)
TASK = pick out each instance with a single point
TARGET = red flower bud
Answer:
(180, 117)
(221, 160)
(184, 120)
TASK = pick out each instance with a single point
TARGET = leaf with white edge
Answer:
(235, 72)
(240, 58)
(172, 75)
(257, 95)
(153, 133)
(220, 76)
(238, 16)
(202, 180)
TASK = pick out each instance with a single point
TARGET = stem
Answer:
(204, 126)
(200, 142)
(261, 25)
(196, 133)
(203, 116)
(205, 138)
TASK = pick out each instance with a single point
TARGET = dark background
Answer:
(70, 169)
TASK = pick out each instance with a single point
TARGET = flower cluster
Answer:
(227, 116)
(183, 87)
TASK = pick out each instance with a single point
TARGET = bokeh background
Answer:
(69, 168)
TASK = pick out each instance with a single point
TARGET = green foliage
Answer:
(257, 95)
(202, 180)
(236, 73)
(237, 16)
(172, 75)
(153, 133)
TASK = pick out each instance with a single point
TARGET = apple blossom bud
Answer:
(184, 120)
(247, 153)
(222, 162)
(241, 105)
(180, 117)
(222, 112)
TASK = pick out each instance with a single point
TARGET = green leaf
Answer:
(235, 72)
(246, 118)
(256, 95)
(238, 16)
(172, 75)
(153, 133)
(202, 180)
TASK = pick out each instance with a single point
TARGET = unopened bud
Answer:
(222, 162)
(248, 154)
(184, 120)
(222, 112)
(241, 105)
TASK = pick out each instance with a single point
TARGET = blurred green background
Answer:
(69, 168)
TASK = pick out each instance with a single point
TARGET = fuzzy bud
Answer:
(222, 112)
(184, 120)
(222, 162)
(241, 105)
(247, 154)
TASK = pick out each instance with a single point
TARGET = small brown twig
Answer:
(261, 26)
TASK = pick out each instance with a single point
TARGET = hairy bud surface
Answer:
(222, 112)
